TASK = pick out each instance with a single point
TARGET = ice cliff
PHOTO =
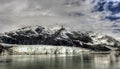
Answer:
(41, 50)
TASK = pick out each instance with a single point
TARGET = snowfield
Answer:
(42, 49)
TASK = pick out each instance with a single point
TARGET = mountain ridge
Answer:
(60, 36)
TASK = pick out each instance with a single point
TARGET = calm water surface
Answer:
(83, 61)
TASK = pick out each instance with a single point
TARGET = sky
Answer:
(76, 14)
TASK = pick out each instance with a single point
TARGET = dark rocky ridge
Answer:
(35, 35)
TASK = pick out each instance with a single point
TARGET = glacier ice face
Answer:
(42, 49)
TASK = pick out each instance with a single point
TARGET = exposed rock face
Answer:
(35, 35)
(1, 48)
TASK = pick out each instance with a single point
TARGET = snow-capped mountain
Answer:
(95, 15)
(59, 36)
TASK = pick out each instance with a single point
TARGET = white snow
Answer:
(99, 39)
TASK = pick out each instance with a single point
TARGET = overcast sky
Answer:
(73, 13)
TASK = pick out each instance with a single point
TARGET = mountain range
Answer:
(59, 36)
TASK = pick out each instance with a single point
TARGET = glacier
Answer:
(42, 50)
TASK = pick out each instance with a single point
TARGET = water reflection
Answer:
(83, 61)
(105, 61)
